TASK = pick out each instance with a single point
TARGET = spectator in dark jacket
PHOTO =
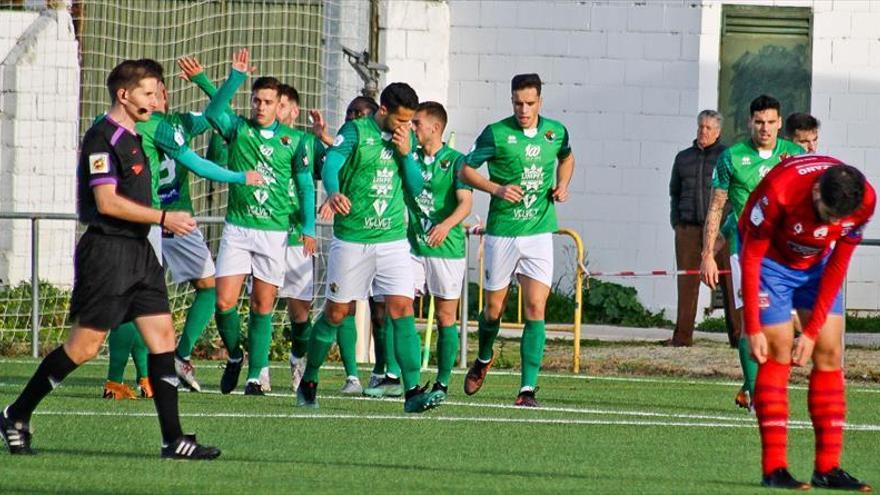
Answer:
(689, 192)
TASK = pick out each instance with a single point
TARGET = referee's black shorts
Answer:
(116, 279)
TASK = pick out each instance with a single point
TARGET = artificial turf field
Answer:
(592, 435)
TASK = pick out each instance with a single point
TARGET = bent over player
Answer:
(800, 228)
(117, 276)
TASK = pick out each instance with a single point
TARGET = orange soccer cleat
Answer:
(146, 388)
(118, 391)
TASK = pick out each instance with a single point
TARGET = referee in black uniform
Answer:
(117, 277)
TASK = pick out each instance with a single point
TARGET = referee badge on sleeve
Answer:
(99, 163)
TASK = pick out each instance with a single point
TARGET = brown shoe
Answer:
(118, 391)
(476, 374)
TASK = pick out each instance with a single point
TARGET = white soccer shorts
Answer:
(187, 257)
(736, 279)
(256, 252)
(531, 256)
(442, 277)
(298, 275)
(354, 268)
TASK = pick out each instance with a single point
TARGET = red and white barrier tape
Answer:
(652, 273)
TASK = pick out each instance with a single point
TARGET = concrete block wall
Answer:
(623, 77)
(38, 140)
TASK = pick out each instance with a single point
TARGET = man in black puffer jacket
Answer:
(689, 191)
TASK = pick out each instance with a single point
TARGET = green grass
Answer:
(594, 435)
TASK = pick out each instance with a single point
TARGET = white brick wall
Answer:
(38, 126)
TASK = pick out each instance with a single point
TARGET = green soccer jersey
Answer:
(371, 179)
(436, 202)
(177, 131)
(739, 170)
(309, 156)
(528, 159)
(155, 157)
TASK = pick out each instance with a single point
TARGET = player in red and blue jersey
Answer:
(799, 229)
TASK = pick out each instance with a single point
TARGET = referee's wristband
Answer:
(162, 219)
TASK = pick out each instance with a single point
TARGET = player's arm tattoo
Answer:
(713, 221)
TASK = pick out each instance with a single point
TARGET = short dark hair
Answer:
(800, 121)
(399, 94)
(842, 189)
(290, 92)
(127, 75)
(435, 110)
(153, 68)
(266, 82)
(361, 105)
(523, 81)
(764, 102)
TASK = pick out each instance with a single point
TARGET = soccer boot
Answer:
(744, 400)
(297, 368)
(439, 387)
(781, 478)
(526, 398)
(254, 388)
(146, 388)
(265, 382)
(186, 447)
(186, 373)
(838, 479)
(375, 379)
(352, 386)
(229, 380)
(419, 399)
(118, 391)
(476, 375)
(307, 394)
(16, 435)
(388, 387)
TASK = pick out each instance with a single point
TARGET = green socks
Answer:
(749, 367)
(259, 341)
(229, 327)
(197, 319)
(392, 366)
(346, 339)
(447, 349)
(323, 335)
(531, 352)
(487, 331)
(120, 343)
(299, 336)
(407, 346)
(139, 354)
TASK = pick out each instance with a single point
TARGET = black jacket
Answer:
(691, 184)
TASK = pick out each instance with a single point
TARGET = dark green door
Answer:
(764, 50)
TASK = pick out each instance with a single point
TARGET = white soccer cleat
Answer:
(265, 383)
(352, 386)
(297, 368)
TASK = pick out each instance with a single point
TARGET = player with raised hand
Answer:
(799, 229)
(525, 153)
(364, 174)
(737, 173)
(255, 236)
(117, 276)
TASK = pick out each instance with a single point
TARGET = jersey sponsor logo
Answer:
(550, 136)
(803, 250)
(532, 151)
(99, 163)
(757, 215)
(380, 205)
(266, 150)
(532, 178)
(382, 182)
(425, 200)
(386, 154)
(266, 171)
(261, 195)
(137, 168)
(339, 139)
(821, 232)
(529, 200)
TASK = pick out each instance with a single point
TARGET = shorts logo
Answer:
(99, 163)
(821, 232)
(763, 300)
(532, 151)
(333, 287)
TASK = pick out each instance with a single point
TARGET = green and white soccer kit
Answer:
(369, 244)
(519, 235)
(298, 267)
(440, 269)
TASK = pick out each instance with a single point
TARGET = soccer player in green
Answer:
(165, 138)
(254, 238)
(364, 174)
(739, 170)
(524, 153)
(435, 231)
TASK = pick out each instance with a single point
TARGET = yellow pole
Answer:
(578, 296)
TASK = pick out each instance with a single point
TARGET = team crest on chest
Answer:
(285, 140)
(444, 164)
(550, 136)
